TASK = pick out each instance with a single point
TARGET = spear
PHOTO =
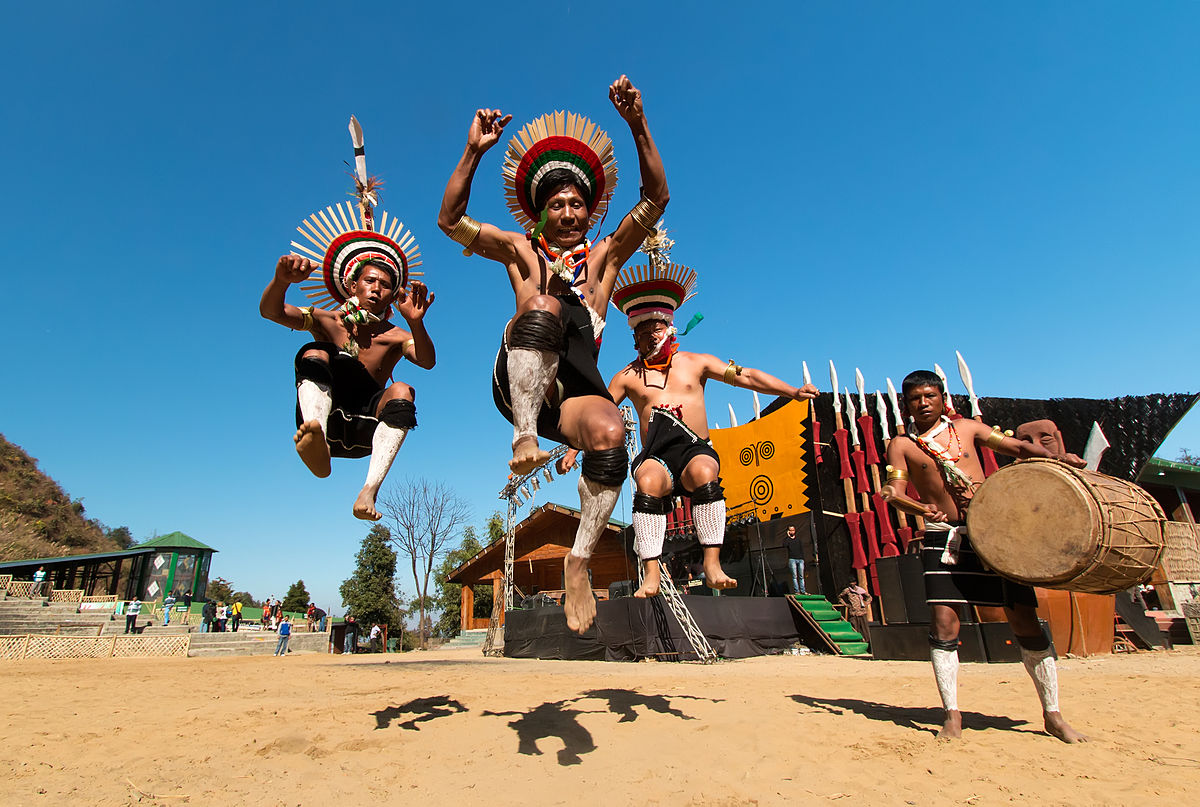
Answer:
(986, 454)
(812, 413)
(887, 537)
(905, 533)
(840, 435)
(937, 368)
(364, 185)
(863, 489)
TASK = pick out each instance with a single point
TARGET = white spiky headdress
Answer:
(342, 238)
(561, 140)
(655, 291)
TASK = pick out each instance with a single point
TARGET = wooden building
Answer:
(543, 540)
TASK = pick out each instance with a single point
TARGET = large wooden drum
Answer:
(1047, 524)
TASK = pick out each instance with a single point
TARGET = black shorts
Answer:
(577, 372)
(673, 445)
(356, 397)
(967, 582)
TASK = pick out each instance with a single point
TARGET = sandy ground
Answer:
(453, 727)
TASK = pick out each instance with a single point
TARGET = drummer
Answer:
(940, 457)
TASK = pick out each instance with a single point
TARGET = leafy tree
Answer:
(297, 598)
(447, 599)
(121, 536)
(245, 598)
(219, 590)
(426, 515)
(370, 593)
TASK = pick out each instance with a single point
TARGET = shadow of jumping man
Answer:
(425, 709)
(623, 701)
(917, 718)
(551, 720)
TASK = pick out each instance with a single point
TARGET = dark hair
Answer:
(921, 378)
(380, 265)
(555, 181)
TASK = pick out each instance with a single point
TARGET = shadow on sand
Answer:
(425, 709)
(917, 718)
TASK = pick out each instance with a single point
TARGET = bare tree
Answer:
(426, 516)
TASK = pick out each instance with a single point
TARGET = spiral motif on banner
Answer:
(761, 490)
(766, 450)
(747, 455)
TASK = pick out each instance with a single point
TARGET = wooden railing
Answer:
(67, 595)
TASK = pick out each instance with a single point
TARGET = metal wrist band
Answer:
(732, 371)
(646, 214)
(465, 232)
(308, 319)
(994, 439)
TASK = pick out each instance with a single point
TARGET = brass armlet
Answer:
(307, 324)
(994, 439)
(465, 232)
(732, 372)
(896, 473)
(646, 214)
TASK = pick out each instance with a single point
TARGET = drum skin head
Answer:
(1034, 522)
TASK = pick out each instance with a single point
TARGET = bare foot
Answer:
(1057, 727)
(578, 602)
(364, 506)
(714, 575)
(651, 582)
(527, 455)
(312, 448)
(951, 727)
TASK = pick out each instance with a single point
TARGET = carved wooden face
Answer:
(1042, 432)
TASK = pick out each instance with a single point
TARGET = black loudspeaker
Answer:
(895, 642)
(1000, 644)
(891, 590)
(621, 588)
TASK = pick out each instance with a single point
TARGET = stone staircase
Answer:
(468, 639)
(254, 643)
(19, 616)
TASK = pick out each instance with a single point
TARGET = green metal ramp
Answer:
(836, 633)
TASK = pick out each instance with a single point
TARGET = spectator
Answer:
(187, 606)
(39, 577)
(857, 600)
(310, 616)
(222, 616)
(319, 615)
(207, 615)
(235, 614)
(131, 615)
(168, 604)
(285, 633)
(350, 643)
(376, 638)
(795, 552)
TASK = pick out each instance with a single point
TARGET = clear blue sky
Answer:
(1019, 180)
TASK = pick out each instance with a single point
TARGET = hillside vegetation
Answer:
(37, 518)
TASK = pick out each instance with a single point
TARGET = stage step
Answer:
(838, 634)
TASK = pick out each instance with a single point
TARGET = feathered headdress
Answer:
(342, 239)
(655, 291)
(561, 140)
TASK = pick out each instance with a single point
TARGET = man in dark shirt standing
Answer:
(795, 552)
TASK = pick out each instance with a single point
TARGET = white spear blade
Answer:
(937, 368)
(360, 157)
(757, 407)
(881, 410)
(807, 377)
(862, 392)
(895, 403)
(850, 415)
(965, 373)
(732, 417)
(833, 380)
(1097, 444)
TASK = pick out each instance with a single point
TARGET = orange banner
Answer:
(763, 462)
